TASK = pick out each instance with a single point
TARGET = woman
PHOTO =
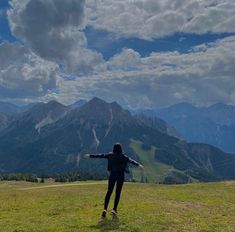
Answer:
(117, 165)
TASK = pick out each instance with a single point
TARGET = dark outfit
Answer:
(117, 165)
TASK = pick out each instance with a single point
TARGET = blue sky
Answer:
(5, 33)
(148, 53)
(107, 44)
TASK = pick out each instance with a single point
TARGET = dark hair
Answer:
(117, 148)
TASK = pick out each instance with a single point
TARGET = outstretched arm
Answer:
(96, 156)
(135, 163)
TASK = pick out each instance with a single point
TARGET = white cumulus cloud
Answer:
(202, 76)
(149, 19)
(23, 73)
(52, 35)
(53, 30)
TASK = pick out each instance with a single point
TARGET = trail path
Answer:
(62, 185)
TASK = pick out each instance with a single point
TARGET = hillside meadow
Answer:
(74, 207)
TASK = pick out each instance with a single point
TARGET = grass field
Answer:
(154, 171)
(143, 207)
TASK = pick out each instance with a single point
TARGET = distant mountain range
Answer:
(50, 138)
(9, 108)
(214, 125)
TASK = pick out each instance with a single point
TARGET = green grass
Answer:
(154, 171)
(143, 207)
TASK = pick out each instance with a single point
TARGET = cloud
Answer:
(24, 74)
(202, 76)
(127, 60)
(53, 30)
(52, 34)
(153, 19)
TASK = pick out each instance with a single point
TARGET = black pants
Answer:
(114, 177)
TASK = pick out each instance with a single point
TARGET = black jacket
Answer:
(116, 162)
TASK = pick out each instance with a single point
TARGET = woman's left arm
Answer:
(135, 163)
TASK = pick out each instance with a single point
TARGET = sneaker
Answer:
(103, 215)
(114, 212)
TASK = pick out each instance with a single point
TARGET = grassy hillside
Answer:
(154, 171)
(144, 207)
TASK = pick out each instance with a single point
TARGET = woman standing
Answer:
(117, 165)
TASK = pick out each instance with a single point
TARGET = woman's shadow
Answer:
(107, 224)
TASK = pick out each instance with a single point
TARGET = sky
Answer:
(140, 53)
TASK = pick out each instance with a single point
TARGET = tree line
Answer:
(31, 177)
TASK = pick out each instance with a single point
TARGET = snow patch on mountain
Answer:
(48, 120)
(110, 122)
(97, 141)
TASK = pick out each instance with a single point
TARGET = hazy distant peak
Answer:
(220, 106)
(7, 107)
(50, 104)
(7, 103)
(183, 105)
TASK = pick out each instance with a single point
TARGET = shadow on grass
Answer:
(107, 224)
(113, 224)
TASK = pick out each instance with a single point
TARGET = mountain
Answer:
(30, 123)
(6, 107)
(4, 121)
(77, 104)
(213, 125)
(9, 108)
(26, 107)
(158, 124)
(220, 113)
(51, 137)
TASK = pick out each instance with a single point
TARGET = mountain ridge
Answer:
(93, 128)
(213, 125)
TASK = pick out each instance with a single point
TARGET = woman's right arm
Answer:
(104, 156)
